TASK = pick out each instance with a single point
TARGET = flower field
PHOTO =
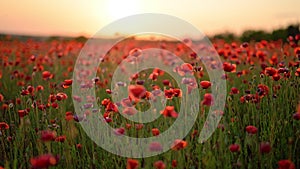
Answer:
(260, 125)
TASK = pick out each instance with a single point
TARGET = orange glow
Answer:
(74, 18)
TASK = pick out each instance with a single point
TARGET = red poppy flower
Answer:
(251, 129)
(155, 131)
(262, 90)
(132, 164)
(69, 116)
(208, 99)
(61, 96)
(129, 111)
(177, 92)
(205, 84)
(184, 69)
(47, 75)
(139, 126)
(44, 161)
(179, 144)
(54, 105)
(105, 102)
(169, 112)
(159, 165)
(276, 77)
(297, 73)
(296, 116)
(67, 83)
(174, 163)
(136, 92)
(1, 98)
(39, 87)
(119, 131)
(234, 147)
(169, 93)
(111, 107)
(158, 71)
(234, 90)
(286, 164)
(155, 146)
(22, 113)
(78, 146)
(166, 82)
(30, 89)
(3, 126)
(25, 92)
(265, 147)
(270, 71)
(60, 139)
(48, 135)
(126, 102)
(228, 67)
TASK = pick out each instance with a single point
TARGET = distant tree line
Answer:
(258, 35)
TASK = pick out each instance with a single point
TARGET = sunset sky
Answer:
(74, 17)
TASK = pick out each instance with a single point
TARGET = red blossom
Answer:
(205, 84)
(4, 126)
(132, 164)
(234, 148)
(159, 165)
(169, 112)
(251, 129)
(44, 161)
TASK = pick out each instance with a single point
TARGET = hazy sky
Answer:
(77, 17)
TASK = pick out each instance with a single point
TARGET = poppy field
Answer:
(260, 125)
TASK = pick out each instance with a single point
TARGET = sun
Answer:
(120, 8)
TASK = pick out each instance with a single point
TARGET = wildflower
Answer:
(169, 112)
(179, 144)
(69, 116)
(47, 75)
(155, 146)
(234, 147)
(286, 164)
(159, 165)
(297, 73)
(129, 111)
(22, 113)
(78, 146)
(60, 139)
(262, 90)
(228, 67)
(184, 69)
(67, 83)
(48, 135)
(3, 126)
(155, 131)
(166, 82)
(44, 161)
(234, 90)
(251, 129)
(136, 92)
(132, 164)
(265, 147)
(139, 126)
(174, 163)
(119, 131)
(270, 71)
(205, 84)
(1, 97)
(208, 99)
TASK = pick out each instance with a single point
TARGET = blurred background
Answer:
(84, 18)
